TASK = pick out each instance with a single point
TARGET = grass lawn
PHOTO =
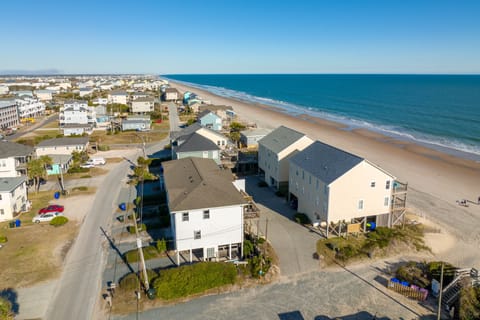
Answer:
(52, 125)
(34, 252)
(128, 137)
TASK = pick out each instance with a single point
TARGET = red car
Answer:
(51, 208)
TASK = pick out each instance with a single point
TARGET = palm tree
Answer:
(37, 169)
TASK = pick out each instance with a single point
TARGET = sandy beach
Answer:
(435, 180)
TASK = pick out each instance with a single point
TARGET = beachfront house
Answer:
(14, 158)
(330, 185)
(210, 120)
(61, 146)
(171, 94)
(142, 105)
(249, 138)
(216, 137)
(195, 145)
(136, 123)
(13, 197)
(206, 209)
(274, 150)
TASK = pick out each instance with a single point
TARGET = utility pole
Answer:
(140, 252)
(439, 312)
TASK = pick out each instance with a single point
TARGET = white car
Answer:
(87, 165)
(46, 217)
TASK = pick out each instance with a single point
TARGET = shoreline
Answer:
(436, 180)
(346, 123)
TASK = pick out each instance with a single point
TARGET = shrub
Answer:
(247, 248)
(103, 147)
(262, 184)
(3, 239)
(414, 273)
(192, 279)
(149, 252)
(6, 309)
(58, 221)
(302, 218)
(141, 227)
(161, 245)
(130, 281)
(78, 170)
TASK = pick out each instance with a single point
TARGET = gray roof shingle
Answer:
(325, 162)
(9, 184)
(196, 183)
(63, 142)
(197, 142)
(280, 138)
(11, 149)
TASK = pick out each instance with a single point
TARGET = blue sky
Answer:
(394, 36)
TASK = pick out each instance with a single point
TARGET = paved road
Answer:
(173, 115)
(30, 128)
(79, 284)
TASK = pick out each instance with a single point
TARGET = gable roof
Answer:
(280, 138)
(196, 142)
(205, 112)
(11, 149)
(196, 183)
(325, 162)
(9, 184)
(63, 142)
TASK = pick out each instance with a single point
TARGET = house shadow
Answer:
(266, 196)
(11, 296)
(362, 315)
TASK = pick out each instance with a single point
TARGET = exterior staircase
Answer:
(451, 293)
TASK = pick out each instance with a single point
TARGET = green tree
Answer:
(235, 128)
(161, 245)
(79, 157)
(37, 169)
(470, 303)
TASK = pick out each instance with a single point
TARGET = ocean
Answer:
(438, 111)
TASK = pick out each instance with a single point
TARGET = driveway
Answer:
(294, 244)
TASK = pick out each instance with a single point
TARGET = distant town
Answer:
(135, 193)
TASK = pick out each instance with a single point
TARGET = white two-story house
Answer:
(8, 114)
(120, 97)
(331, 185)
(76, 118)
(13, 197)
(275, 149)
(206, 209)
(142, 105)
(14, 158)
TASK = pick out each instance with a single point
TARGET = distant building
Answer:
(142, 105)
(8, 114)
(250, 138)
(29, 107)
(14, 158)
(137, 123)
(85, 92)
(275, 149)
(138, 95)
(97, 101)
(206, 209)
(120, 97)
(13, 197)
(171, 94)
(77, 118)
(332, 185)
(210, 120)
(61, 146)
(44, 95)
(3, 89)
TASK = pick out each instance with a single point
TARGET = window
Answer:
(296, 172)
(360, 204)
(206, 214)
(387, 184)
(372, 184)
(2, 212)
(310, 179)
(197, 234)
(0, 197)
(386, 201)
(303, 175)
(185, 216)
(317, 184)
(218, 142)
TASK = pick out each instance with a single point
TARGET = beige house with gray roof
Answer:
(206, 209)
(275, 149)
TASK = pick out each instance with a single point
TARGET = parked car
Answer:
(46, 217)
(87, 165)
(51, 208)
(96, 161)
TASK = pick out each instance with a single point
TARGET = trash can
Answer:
(18, 223)
(123, 206)
(11, 224)
(151, 293)
(56, 195)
